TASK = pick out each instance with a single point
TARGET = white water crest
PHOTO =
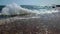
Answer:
(14, 9)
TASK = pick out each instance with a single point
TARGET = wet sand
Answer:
(29, 26)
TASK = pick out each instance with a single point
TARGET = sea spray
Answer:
(14, 9)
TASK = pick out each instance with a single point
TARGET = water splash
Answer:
(14, 9)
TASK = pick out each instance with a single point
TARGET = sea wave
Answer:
(14, 9)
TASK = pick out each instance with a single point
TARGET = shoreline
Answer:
(26, 26)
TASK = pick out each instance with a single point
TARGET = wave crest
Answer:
(14, 9)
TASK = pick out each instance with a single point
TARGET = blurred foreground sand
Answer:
(21, 25)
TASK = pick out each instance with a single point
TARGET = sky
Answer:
(30, 2)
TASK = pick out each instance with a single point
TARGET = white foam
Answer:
(12, 9)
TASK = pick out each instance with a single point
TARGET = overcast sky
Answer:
(30, 2)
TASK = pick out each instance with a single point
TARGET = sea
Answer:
(22, 18)
(14, 9)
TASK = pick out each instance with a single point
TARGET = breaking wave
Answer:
(14, 9)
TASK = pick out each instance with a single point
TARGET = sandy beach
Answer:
(29, 25)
